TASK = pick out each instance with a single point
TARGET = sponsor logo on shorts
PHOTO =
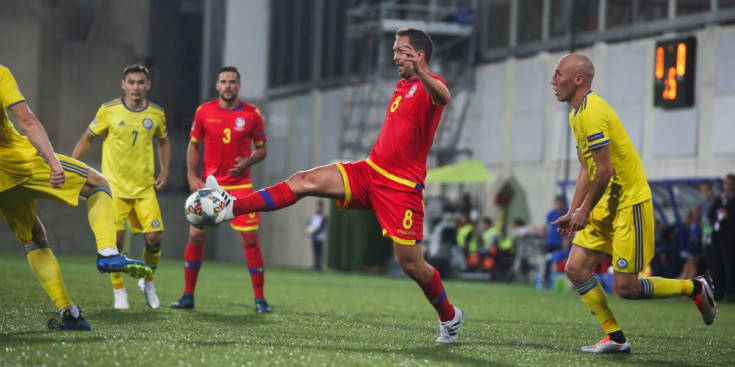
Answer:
(156, 223)
(407, 233)
(148, 124)
(622, 263)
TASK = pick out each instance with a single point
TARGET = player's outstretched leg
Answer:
(101, 215)
(271, 198)
(705, 299)
(121, 263)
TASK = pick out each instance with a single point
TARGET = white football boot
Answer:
(449, 330)
(121, 299)
(607, 345)
(149, 291)
(213, 185)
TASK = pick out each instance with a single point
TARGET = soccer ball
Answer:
(203, 208)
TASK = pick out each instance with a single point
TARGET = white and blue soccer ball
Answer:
(204, 208)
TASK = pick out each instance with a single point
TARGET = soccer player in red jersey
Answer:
(227, 126)
(390, 181)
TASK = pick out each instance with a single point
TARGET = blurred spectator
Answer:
(467, 239)
(721, 254)
(316, 227)
(692, 249)
(665, 248)
(489, 237)
(553, 238)
(468, 208)
(708, 196)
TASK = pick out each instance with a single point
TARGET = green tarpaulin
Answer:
(469, 171)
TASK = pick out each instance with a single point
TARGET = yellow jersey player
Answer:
(129, 125)
(611, 211)
(29, 170)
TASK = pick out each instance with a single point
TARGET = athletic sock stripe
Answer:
(438, 300)
(269, 204)
(192, 264)
(646, 289)
(254, 271)
(587, 286)
(36, 246)
(97, 189)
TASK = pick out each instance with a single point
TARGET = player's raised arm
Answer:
(36, 134)
(83, 145)
(437, 91)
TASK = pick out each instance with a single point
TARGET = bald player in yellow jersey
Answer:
(129, 126)
(30, 170)
(611, 211)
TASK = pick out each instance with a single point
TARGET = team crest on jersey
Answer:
(622, 263)
(148, 124)
(121, 123)
(155, 223)
(411, 91)
(239, 123)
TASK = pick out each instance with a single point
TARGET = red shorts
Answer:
(245, 222)
(398, 203)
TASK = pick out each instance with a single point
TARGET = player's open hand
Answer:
(161, 181)
(409, 54)
(240, 164)
(194, 182)
(57, 177)
(580, 218)
(563, 226)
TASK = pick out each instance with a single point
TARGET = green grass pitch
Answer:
(336, 319)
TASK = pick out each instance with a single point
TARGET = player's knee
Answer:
(153, 245)
(197, 237)
(302, 182)
(249, 239)
(574, 272)
(627, 290)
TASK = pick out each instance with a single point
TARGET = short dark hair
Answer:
(230, 69)
(135, 68)
(419, 39)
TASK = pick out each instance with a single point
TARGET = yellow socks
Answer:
(593, 296)
(44, 265)
(656, 287)
(117, 280)
(152, 256)
(101, 216)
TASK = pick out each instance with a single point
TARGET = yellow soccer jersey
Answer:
(127, 151)
(595, 124)
(16, 152)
